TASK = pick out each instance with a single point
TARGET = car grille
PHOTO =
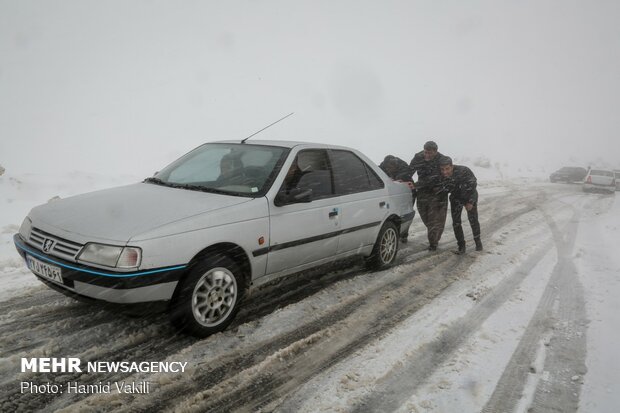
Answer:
(61, 248)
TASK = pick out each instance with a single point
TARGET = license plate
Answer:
(51, 272)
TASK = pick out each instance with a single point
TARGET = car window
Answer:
(311, 170)
(237, 169)
(352, 175)
(199, 166)
(375, 181)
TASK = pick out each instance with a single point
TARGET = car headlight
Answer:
(25, 229)
(111, 256)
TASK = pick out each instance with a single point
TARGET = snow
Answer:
(338, 391)
(598, 261)
(479, 320)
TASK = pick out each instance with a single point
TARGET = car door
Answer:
(363, 201)
(305, 233)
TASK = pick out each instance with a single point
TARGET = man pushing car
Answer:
(460, 181)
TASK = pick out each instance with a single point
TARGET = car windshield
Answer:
(234, 169)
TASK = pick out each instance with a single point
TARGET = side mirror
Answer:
(294, 196)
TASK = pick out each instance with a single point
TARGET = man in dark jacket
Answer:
(461, 183)
(432, 198)
(398, 170)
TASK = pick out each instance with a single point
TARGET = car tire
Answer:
(385, 249)
(208, 299)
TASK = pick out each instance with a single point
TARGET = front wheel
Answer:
(384, 252)
(208, 298)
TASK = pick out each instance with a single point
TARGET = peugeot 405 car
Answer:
(219, 221)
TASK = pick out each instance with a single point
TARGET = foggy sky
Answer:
(128, 86)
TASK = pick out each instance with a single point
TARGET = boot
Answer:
(461, 250)
(478, 244)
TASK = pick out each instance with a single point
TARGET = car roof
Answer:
(285, 144)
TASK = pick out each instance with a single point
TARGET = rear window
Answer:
(352, 175)
(601, 173)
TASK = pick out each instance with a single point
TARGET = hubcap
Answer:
(214, 297)
(388, 245)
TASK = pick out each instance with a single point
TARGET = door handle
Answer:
(381, 204)
(333, 213)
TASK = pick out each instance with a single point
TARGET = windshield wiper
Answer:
(190, 187)
(157, 181)
(200, 188)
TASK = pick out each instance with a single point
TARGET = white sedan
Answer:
(600, 180)
(224, 218)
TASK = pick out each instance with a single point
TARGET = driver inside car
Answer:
(293, 176)
(231, 171)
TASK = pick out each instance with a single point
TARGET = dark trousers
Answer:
(456, 208)
(433, 210)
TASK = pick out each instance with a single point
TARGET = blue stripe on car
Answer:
(105, 274)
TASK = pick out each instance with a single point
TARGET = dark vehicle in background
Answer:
(600, 180)
(569, 174)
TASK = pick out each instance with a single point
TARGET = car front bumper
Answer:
(116, 287)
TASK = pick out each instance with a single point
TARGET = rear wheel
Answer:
(208, 298)
(384, 252)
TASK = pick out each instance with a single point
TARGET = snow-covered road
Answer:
(524, 324)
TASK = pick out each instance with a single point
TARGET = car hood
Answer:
(118, 214)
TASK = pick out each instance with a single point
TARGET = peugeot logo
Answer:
(47, 244)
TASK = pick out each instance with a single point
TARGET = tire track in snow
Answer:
(560, 315)
(397, 387)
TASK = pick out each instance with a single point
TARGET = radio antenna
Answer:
(256, 133)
